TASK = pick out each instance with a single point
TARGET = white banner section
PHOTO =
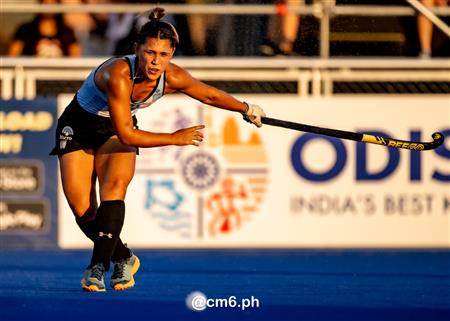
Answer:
(274, 187)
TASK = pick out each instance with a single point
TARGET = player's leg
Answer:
(114, 164)
(87, 222)
(78, 181)
(77, 173)
(78, 178)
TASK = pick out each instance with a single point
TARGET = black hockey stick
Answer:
(438, 138)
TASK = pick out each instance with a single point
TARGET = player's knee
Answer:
(82, 208)
(116, 187)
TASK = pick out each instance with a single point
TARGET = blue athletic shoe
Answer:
(93, 278)
(122, 277)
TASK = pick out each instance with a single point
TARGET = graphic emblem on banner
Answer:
(200, 171)
(227, 179)
(163, 201)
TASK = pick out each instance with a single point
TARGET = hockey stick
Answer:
(438, 138)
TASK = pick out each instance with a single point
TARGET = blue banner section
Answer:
(28, 175)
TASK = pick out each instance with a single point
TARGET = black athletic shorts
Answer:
(79, 129)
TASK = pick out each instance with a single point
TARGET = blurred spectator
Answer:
(425, 28)
(282, 30)
(97, 43)
(241, 35)
(289, 27)
(202, 30)
(81, 22)
(45, 36)
(90, 28)
(122, 35)
(118, 27)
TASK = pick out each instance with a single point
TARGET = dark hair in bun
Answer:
(156, 28)
(156, 14)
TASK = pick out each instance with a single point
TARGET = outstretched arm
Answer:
(180, 80)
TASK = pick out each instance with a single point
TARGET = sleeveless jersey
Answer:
(93, 100)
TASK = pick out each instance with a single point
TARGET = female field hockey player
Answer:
(97, 138)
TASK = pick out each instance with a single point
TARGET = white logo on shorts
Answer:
(66, 134)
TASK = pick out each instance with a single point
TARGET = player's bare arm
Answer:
(180, 80)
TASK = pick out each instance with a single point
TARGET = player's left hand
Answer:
(253, 114)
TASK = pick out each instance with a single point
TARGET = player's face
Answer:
(154, 57)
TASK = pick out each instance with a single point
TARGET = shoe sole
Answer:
(90, 288)
(129, 284)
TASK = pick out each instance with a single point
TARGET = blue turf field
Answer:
(289, 284)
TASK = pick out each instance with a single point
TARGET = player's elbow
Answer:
(212, 97)
(126, 137)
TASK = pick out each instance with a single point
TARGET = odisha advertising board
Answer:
(362, 171)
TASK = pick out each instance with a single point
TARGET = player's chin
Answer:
(153, 75)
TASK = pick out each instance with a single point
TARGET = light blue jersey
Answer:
(93, 100)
